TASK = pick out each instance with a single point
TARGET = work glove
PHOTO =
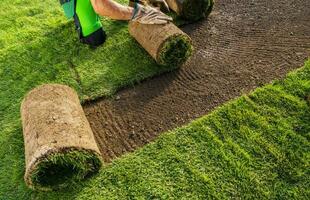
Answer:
(149, 15)
(160, 4)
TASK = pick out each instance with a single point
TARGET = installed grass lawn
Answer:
(36, 39)
(256, 146)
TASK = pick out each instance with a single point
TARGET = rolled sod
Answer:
(60, 148)
(191, 9)
(167, 44)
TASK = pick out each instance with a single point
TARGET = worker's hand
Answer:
(149, 15)
(160, 3)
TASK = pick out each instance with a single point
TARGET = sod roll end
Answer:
(191, 9)
(167, 44)
(60, 148)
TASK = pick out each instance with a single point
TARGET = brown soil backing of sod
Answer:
(241, 46)
(167, 44)
(54, 123)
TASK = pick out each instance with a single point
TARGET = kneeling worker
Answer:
(86, 16)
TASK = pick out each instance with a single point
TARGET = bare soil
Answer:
(242, 45)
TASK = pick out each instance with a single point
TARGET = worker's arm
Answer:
(112, 9)
(141, 14)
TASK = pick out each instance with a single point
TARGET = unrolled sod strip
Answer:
(60, 148)
(167, 44)
(191, 9)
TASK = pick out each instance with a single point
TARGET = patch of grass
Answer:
(63, 169)
(175, 51)
(36, 37)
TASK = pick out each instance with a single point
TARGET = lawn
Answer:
(256, 146)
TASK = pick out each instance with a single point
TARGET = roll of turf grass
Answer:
(191, 9)
(60, 148)
(167, 44)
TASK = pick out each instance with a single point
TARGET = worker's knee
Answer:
(95, 39)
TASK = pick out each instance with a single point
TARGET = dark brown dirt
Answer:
(244, 44)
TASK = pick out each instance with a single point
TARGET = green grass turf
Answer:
(255, 146)
(64, 169)
(175, 51)
(36, 37)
